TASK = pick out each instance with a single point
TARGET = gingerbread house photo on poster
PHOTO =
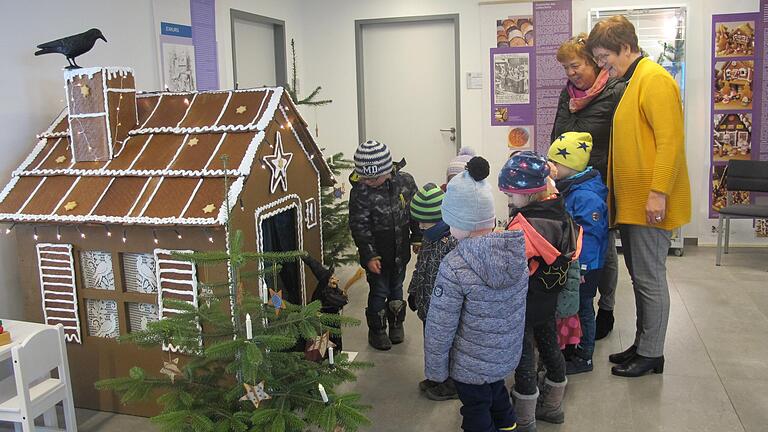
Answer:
(121, 179)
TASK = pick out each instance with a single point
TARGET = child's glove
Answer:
(412, 302)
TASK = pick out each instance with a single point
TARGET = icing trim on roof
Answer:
(124, 220)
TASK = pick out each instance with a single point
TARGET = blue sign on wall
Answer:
(180, 30)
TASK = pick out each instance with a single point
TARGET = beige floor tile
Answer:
(667, 403)
(750, 398)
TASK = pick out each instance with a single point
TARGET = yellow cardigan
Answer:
(648, 150)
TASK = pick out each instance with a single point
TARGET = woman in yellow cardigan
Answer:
(648, 183)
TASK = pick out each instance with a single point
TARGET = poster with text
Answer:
(512, 71)
(735, 102)
(177, 57)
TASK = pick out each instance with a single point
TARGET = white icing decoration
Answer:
(97, 114)
(65, 196)
(161, 277)
(189, 107)
(110, 72)
(223, 109)
(151, 196)
(191, 197)
(75, 326)
(127, 173)
(121, 220)
(269, 114)
(138, 197)
(310, 206)
(54, 134)
(278, 163)
(32, 195)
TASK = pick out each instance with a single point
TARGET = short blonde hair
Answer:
(613, 33)
(576, 47)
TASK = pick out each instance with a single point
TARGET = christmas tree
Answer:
(237, 370)
(292, 88)
(337, 239)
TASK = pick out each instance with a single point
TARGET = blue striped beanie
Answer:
(372, 159)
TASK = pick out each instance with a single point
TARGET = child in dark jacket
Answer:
(551, 243)
(477, 311)
(436, 243)
(585, 196)
(381, 227)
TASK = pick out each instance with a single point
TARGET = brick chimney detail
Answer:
(101, 103)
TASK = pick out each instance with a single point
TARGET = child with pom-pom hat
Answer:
(476, 315)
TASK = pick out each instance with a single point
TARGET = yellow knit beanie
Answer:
(571, 149)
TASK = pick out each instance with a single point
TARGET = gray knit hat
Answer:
(372, 159)
(468, 201)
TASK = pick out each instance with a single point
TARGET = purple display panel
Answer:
(553, 27)
(513, 100)
(203, 15)
(761, 97)
(735, 99)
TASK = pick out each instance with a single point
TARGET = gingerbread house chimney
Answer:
(101, 103)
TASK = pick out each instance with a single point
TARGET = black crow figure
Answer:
(72, 46)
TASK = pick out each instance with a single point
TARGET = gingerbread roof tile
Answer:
(166, 171)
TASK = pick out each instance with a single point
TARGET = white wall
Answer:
(330, 62)
(32, 87)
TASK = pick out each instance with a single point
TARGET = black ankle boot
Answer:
(624, 356)
(639, 366)
(603, 323)
(396, 316)
(377, 330)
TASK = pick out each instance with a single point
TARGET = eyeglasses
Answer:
(601, 58)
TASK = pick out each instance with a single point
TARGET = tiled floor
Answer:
(716, 375)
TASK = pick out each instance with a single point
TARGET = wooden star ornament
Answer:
(241, 109)
(255, 394)
(317, 349)
(276, 300)
(171, 369)
(85, 90)
(209, 208)
(70, 205)
(61, 159)
(192, 142)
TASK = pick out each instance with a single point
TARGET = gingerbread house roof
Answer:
(168, 171)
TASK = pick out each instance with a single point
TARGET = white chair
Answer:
(36, 392)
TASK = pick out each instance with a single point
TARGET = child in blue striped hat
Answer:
(436, 243)
(380, 222)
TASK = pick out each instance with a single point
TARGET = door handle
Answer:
(452, 130)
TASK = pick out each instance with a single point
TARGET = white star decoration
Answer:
(278, 162)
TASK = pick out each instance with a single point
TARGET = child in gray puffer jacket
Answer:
(476, 317)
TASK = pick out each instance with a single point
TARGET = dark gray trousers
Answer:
(645, 253)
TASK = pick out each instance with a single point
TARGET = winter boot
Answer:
(427, 384)
(446, 390)
(377, 329)
(396, 316)
(525, 410)
(603, 323)
(549, 407)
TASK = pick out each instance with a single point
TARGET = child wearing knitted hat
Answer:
(381, 227)
(476, 315)
(585, 196)
(551, 243)
(436, 243)
(458, 164)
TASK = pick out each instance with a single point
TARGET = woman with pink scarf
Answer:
(586, 105)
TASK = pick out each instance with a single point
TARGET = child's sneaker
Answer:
(445, 390)
(577, 365)
(427, 384)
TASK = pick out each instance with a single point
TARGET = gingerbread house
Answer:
(734, 82)
(121, 179)
(743, 38)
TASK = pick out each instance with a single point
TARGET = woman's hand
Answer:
(655, 208)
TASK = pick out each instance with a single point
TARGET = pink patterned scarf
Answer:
(582, 98)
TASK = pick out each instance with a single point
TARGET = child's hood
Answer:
(590, 181)
(497, 258)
